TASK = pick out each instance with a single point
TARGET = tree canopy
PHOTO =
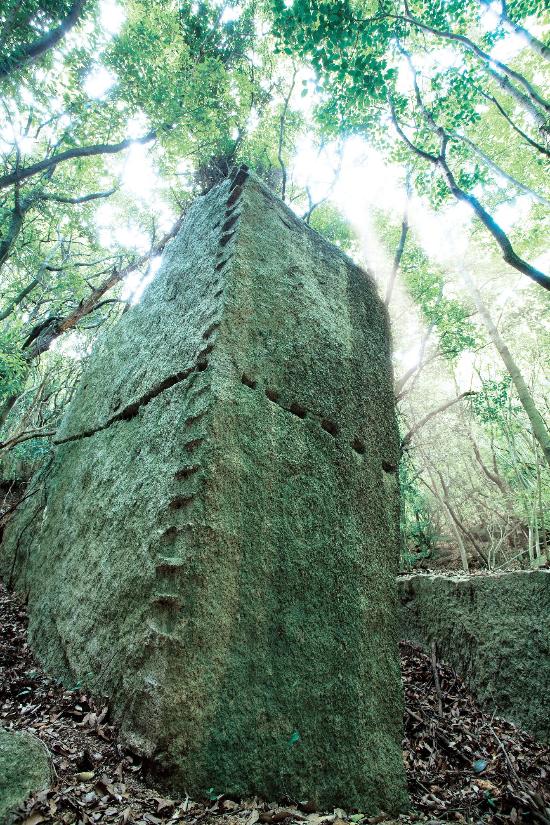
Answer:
(115, 116)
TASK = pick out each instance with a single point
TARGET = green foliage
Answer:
(364, 57)
(13, 368)
(428, 285)
(418, 536)
(492, 402)
(330, 223)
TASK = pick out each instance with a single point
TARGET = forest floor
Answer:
(463, 764)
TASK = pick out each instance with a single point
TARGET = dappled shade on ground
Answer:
(98, 781)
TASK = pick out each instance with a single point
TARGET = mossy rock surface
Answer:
(494, 630)
(219, 547)
(24, 770)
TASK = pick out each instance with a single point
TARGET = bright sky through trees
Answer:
(415, 139)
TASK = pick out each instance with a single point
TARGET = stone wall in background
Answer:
(214, 543)
(494, 630)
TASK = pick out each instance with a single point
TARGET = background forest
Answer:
(415, 134)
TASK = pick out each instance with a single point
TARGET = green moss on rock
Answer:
(219, 547)
(24, 770)
(494, 630)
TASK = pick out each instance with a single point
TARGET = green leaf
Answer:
(294, 739)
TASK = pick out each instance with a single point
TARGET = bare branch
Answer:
(47, 331)
(282, 134)
(43, 432)
(402, 240)
(442, 407)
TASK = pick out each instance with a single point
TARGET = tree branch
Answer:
(402, 241)
(78, 152)
(486, 60)
(50, 196)
(537, 45)
(18, 298)
(31, 52)
(538, 146)
(282, 135)
(496, 168)
(508, 253)
(43, 336)
(412, 432)
(43, 432)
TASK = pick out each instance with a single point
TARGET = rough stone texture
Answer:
(494, 631)
(219, 547)
(24, 769)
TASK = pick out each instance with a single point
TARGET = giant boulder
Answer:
(214, 542)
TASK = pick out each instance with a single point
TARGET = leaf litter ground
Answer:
(463, 764)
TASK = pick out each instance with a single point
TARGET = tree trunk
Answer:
(537, 423)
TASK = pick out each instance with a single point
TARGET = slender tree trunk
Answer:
(5, 411)
(537, 423)
(454, 529)
(402, 241)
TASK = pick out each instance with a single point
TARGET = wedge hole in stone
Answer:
(186, 472)
(169, 566)
(358, 446)
(388, 467)
(192, 419)
(169, 535)
(248, 382)
(180, 502)
(240, 177)
(218, 293)
(169, 601)
(330, 427)
(297, 409)
(234, 196)
(230, 223)
(192, 445)
(232, 210)
(202, 365)
(273, 395)
(211, 329)
(224, 240)
(221, 264)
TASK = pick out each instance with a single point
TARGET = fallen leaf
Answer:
(33, 819)
(253, 818)
(85, 776)
(162, 804)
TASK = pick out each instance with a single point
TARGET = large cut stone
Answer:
(494, 631)
(219, 543)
